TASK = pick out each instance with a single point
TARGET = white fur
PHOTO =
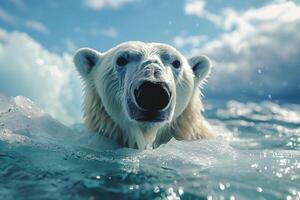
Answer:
(104, 107)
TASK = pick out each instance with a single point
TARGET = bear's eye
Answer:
(121, 61)
(176, 64)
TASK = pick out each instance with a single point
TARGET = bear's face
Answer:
(142, 84)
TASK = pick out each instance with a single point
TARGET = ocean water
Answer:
(256, 155)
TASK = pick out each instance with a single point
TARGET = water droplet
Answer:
(286, 170)
(156, 189)
(180, 191)
(255, 165)
(278, 174)
(222, 186)
(259, 189)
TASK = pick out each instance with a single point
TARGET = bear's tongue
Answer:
(152, 96)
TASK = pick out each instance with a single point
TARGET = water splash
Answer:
(255, 156)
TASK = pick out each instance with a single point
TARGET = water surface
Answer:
(255, 156)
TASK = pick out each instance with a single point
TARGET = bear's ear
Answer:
(201, 66)
(85, 60)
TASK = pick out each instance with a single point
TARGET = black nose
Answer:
(152, 96)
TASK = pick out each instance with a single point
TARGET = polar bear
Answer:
(141, 95)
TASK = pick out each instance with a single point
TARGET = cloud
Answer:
(37, 26)
(8, 18)
(70, 45)
(16, 21)
(197, 7)
(192, 41)
(47, 78)
(258, 54)
(110, 32)
(102, 4)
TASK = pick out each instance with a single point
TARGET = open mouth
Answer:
(151, 102)
(152, 96)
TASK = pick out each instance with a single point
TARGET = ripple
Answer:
(256, 155)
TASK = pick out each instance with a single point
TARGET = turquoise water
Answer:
(255, 156)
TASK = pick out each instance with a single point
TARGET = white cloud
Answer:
(109, 32)
(229, 17)
(101, 4)
(193, 41)
(258, 55)
(16, 21)
(45, 77)
(70, 46)
(285, 12)
(8, 18)
(197, 7)
(36, 25)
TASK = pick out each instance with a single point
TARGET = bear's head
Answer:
(136, 89)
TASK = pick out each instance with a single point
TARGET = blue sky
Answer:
(254, 44)
(83, 25)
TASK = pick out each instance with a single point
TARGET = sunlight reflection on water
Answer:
(255, 156)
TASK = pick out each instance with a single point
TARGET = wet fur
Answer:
(190, 125)
(187, 122)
